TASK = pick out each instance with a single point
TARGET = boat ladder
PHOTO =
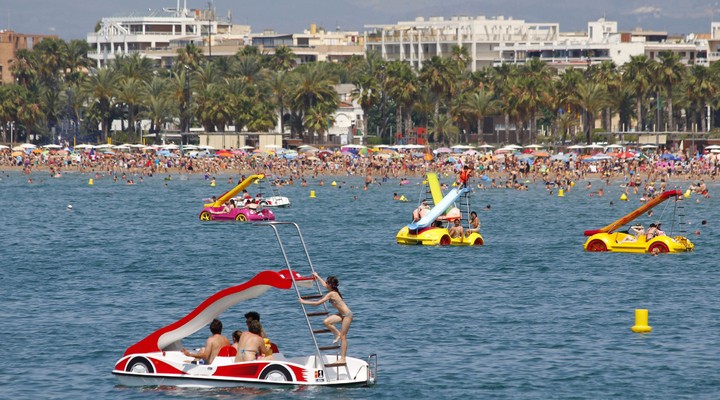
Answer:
(311, 317)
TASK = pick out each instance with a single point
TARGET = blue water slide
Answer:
(439, 209)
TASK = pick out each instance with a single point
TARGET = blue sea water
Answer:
(528, 315)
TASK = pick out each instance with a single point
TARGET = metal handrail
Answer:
(273, 224)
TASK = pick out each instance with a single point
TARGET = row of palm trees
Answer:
(57, 90)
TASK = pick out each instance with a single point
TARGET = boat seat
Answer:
(227, 351)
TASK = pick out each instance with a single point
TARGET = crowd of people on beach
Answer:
(649, 174)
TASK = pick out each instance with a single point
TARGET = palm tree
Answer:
(592, 97)
(637, 74)
(368, 80)
(440, 75)
(502, 79)
(190, 56)
(157, 105)
(535, 81)
(278, 84)
(134, 66)
(480, 104)
(607, 75)
(444, 129)
(317, 120)
(424, 105)
(131, 93)
(283, 59)
(101, 88)
(668, 73)
(403, 87)
(313, 87)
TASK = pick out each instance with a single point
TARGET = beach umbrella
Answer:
(534, 146)
(272, 146)
(84, 146)
(461, 147)
(626, 155)
(353, 146)
(442, 150)
(28, 146)
(52, 146)
(711, 147)
(414, 146)
(308, 149)
(486, 146)
(2, 147)
(538, 153)
(470, 152)
(576, 147)
(17, 154)
(246, 147)
(206, 147)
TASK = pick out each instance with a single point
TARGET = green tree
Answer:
(638, 75)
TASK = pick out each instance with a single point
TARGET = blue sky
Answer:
(73, 19)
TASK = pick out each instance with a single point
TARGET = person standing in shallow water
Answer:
(343, 317)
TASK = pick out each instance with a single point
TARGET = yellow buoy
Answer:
(623, 197)
(561, 193)
(687, 194)
(312, 194)
(641, 322)
(334, 183)
(572, 183)
(257, 181)
(212, 183)
(91, 182)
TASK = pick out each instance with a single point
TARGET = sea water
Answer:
(528, 315)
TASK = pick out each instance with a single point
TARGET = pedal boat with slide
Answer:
(251, 212)
(609, 239)
(158, 360)
(431, 229)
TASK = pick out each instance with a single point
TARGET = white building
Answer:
(419, 40)
(499, 40)
(315, 44)
(159, 34)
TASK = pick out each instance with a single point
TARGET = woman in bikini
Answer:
(343, 317)
(251, 343)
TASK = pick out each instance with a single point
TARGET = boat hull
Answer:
(172, 368)
(436, 236)
(620, 242)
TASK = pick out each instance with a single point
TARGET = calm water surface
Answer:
(528, 315)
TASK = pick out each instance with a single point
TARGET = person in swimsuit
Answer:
(343, 317)
(251, 344)
(212, 346)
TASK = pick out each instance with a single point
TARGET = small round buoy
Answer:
(641, 322)
(623, 197)
(333, 183)
(687, 194)
(212, 183)
(69, 207)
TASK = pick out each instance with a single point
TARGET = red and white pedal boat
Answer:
(158, 361)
